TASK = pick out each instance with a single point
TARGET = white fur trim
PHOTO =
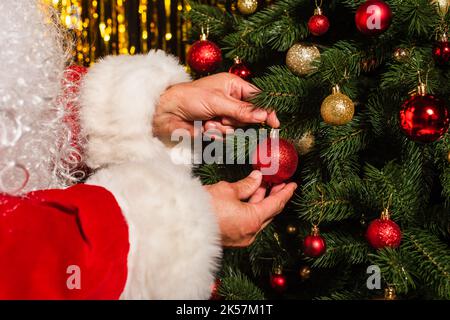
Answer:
(118, 98)
(174, 236)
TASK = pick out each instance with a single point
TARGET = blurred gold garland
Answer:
(102, 27)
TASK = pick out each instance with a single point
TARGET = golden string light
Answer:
(101, 27)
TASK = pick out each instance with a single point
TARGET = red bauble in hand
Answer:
(441, 51)
(424, 118)
(373, 17)
(384, 232)
(276, 166)
(240, 69)
(314, 245)
(204, 56)
(278, 280)
(318, 24)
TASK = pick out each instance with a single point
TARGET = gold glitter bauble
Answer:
(300, 58)
(337, 109)
(291, 229)
(305, 143)
(247, 6)
(305, 272)
(401, 54)
(442, 5)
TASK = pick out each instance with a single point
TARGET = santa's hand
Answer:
(220, 100)
(239, 220)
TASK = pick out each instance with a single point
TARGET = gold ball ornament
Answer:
(301, 58)
(305, 273)
(442, 6)
(247, 6)
(448, 156)
(337, 109)
(401, 54)
(305, 143)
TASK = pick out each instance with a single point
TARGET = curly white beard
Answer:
(33, 137)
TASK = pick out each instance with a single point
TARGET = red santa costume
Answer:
(141, 227)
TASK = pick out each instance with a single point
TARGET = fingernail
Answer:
(256, 174)
(260, 115)
(277, 123)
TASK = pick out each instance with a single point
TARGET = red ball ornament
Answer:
(384, 232)
(204, 56)
(423, 117)
(373, 17)
(441, 51)
(276, 166)
(278, 281)
(318, 24)
(240, 69)
(314, 245)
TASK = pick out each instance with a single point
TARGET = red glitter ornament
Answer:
(441, 51)
(240, 69)
(314, 245)
(204, 56)
(384, 232)
(276, 166)
(318, 24)
(423, 117)
(373, 17)
(278, 280)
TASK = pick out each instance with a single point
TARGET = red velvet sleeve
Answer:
(62, 244)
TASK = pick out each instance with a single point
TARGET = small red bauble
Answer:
(314, 245)
(240, 69)
(373, 17)
(204, 56)
(441, 51)
(424, 118)
(276, 166)
(318, 24)
(278, 281)
(384, 232)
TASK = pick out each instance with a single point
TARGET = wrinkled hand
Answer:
(241, 221)
(219, 100)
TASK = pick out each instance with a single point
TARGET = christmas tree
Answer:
(361, 89)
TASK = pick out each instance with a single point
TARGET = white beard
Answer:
(33, 137)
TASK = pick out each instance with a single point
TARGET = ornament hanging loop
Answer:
(336, 89)
(315, 230)
(385, 215)
(277, 269)
(204, 35)
(421, 87)
(318, 4)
